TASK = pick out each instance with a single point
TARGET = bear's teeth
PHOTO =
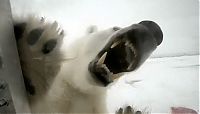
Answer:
(128, 44)
(115, 76)
(106, 68)
(129, 67)
(132, 48)
(102, 59)
(115, 44)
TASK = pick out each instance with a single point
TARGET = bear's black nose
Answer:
(155, 30)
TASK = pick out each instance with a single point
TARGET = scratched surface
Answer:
(6, 102)
(10, 70)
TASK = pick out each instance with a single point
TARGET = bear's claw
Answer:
(127, 110)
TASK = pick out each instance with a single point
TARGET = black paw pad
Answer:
(19, 30)
(49, 46)
(29, 86)
(34, 35)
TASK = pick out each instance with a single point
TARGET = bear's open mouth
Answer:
(127, 49)
(118, 56)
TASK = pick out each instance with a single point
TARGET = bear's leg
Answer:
(39, 45)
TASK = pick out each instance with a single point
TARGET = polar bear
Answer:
(75, 79)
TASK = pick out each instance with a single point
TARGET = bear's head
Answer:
(106, 55)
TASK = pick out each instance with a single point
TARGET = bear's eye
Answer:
(116, 28)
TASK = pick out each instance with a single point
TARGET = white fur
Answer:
(63, 83)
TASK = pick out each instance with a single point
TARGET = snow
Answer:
(164, 83)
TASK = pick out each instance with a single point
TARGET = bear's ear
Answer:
(91, 29)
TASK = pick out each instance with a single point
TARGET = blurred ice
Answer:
(165, 82)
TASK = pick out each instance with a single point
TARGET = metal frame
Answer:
(13, 98)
